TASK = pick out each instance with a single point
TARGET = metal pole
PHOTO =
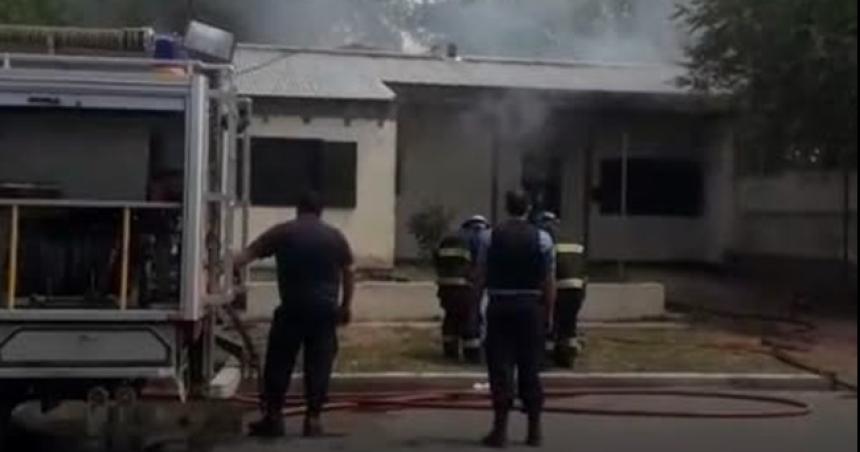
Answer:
(625, 149)
(189, 10)
(228, 188)
(246, 185)
(846, 219)
(126, 239)
(13, 259)
(494, 171)
(246, 176)
(588, 184)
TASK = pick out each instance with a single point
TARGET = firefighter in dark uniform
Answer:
(517, 262)
(455, 265)
(563, 343)
(315, 284)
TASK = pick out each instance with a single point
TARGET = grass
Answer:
(402, 348)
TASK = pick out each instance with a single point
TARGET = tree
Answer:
(791, 68)
(39, 12)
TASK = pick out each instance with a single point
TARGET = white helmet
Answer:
(548, 217)
(476, 220)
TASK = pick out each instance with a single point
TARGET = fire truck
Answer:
(123, 189)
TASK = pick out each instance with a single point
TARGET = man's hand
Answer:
(344, 315)
(348, 282)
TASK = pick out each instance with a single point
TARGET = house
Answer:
(385, 135)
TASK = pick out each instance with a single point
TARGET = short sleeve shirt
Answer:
(310, 257)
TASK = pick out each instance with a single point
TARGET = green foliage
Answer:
(791, 67)
(429, 226)
(38, 12)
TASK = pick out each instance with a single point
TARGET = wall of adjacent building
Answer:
(652, 238)
(370, 225)
(796, 214)
(445, 158)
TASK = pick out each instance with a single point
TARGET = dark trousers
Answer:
(515, 335)
(462, 321)
(568, 303)
(314, 331)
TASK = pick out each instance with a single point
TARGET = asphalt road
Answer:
(831, 428)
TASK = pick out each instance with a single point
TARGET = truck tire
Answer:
(5, 423)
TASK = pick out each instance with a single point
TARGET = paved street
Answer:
(832, 428)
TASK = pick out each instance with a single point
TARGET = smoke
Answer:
(595, 30)
(600, 30)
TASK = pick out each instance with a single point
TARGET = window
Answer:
(663, 187)
(283, 169)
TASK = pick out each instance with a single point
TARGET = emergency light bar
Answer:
(209, 43)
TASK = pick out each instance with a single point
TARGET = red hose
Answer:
(473, 401)
(477, 401)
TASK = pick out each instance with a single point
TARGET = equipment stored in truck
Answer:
(119, 160)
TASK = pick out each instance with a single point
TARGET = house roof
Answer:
(366, 75)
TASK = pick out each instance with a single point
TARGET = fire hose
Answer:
(480, 401)
(778, 349)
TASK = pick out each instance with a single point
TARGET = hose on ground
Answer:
(773, 346)
(480, 401)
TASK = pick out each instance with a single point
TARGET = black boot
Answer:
(451, 350)
(498, 437)
(562, 357)
(534, 438)
(270, 426)
(313, 426)
(472, 355)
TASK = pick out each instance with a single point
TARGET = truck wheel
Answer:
(5, 422)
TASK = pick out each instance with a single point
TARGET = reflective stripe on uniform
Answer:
(570, 283)
(455, 252)
(569, 248)
(575, 344)
(472, 343)
(452, 282)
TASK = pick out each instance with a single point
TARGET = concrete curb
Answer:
(396, 381)
(431, 324)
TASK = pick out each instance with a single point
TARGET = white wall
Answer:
(795, 214)
(445, 158)
(662, 238)
(369, 226)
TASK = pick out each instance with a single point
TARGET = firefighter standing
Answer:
(563, 343)
(314, 265)
(517, 260)
(455, 259)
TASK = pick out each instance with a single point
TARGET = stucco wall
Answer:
(369, 226)
(445, 158)
(796, 214)
(661, 238)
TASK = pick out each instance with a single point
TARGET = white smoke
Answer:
(599, 30)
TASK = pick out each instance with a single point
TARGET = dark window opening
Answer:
(283, 169)
(660, 187)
